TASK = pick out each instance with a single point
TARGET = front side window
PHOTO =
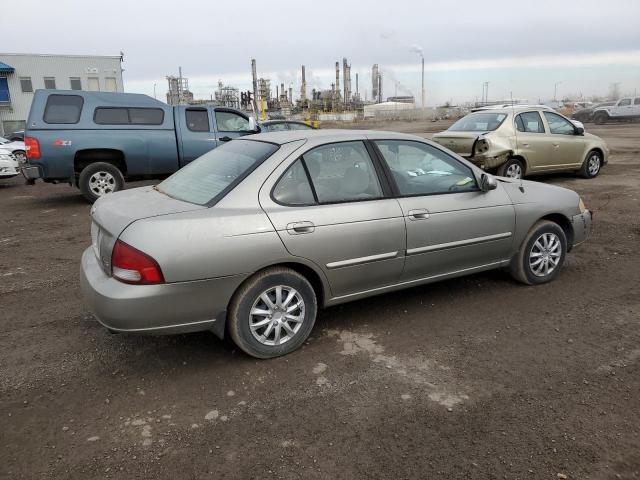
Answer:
(529, 122)
(559, 125)
(420, 169)
(210, 177)
(293, 188)
(478, 122)
(625, 102)
(50, 83)
(231, 122)
(25, 84)
(63, 109)
(75, 83)
(342, 172)
(197, 120)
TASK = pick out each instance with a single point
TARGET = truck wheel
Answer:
(98, 179)
(600, 118)
(512, 168)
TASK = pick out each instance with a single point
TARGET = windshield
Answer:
(478, 122)
(211, 176)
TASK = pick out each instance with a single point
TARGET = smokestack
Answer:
(346, 74)
(291, 95)
(357, 92)
(283, 92)
(337, 80)
(254, 77)
(303, 88)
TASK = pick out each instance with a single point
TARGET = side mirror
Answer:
(579, 130)
(487, 182)
(253, 126)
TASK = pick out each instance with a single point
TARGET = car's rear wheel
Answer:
(541, 255)
(272, 313)
(99, 179)
(512, 168)
(591, 165)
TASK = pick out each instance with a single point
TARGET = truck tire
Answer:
(98, 179)
(600, 118)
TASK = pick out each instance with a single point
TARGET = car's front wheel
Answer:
(512, 168)
(272, 313)
(541, 255)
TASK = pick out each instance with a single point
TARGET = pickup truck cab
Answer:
(96, 140)
(627, 108)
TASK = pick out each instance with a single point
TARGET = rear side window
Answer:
(63, 109)
(128, 116)
(293, 188)
(197, 120)
(529, 122)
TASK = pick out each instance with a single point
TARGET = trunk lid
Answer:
(112, 213)
(458, 142)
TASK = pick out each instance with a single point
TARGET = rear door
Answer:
(196, 133)
(330, 206)
(532, 141)
(451, 225)
(567, 148)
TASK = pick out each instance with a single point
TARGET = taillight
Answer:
(130, 265)
(33, 148)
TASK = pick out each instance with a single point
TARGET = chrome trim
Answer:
(156, 329)
(459, 243)
(360, 260)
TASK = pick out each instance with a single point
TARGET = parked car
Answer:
(254, 236)
(8, 164)
(280, 125)
(16, 147)
(96, 140)
(16, 136)
(586, 114)
(519, 141)
(625, 109)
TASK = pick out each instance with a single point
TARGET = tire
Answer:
(260, 340)
(533, 248)
(98, 179)
(592, 164)
(20, 156)
(600, 118)
(512, 168)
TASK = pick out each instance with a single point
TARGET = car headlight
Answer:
(581, 206)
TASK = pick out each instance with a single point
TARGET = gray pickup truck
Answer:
(96, 140)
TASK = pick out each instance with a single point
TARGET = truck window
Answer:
(111, 116)
(197, 120)
(146, 116)
(624, 102)
(231, 122)
(63, 109)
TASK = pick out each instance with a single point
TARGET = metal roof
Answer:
(4, 68)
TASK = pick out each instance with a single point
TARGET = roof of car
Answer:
(330, 135)
(517, 109)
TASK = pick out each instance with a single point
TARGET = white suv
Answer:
(627, 108)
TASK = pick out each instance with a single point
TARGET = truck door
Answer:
(195, 131)
(230, 124)
(623, 108)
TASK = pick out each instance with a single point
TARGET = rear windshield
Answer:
(478, 122)
(208, 178)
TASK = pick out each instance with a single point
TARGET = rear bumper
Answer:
(582, 225)
(31, 173)
(162, 309)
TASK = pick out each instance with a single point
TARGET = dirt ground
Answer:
(478, 377)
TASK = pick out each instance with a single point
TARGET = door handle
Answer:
(526, 145)
(225, 139)
(556, 145)
(298, 228)
(419, 214)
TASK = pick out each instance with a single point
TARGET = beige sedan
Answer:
(519, 141)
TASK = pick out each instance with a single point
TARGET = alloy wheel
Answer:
(102, 183)
(513, 171)
(594, 164)
(277, 315)
(545, 254)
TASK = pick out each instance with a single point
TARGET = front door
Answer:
(330, 207)
(567, 148)
(451, 225)
(230, 124)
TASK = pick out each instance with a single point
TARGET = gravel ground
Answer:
(477, 377)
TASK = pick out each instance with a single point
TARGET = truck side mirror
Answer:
(253, 126)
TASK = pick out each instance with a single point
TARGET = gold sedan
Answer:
(519, 141)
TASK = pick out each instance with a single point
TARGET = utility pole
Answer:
(422, 56)
(555, 91)
(154, 90)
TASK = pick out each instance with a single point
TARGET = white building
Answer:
(22, 74)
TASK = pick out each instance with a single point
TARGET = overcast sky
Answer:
(522, 47)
